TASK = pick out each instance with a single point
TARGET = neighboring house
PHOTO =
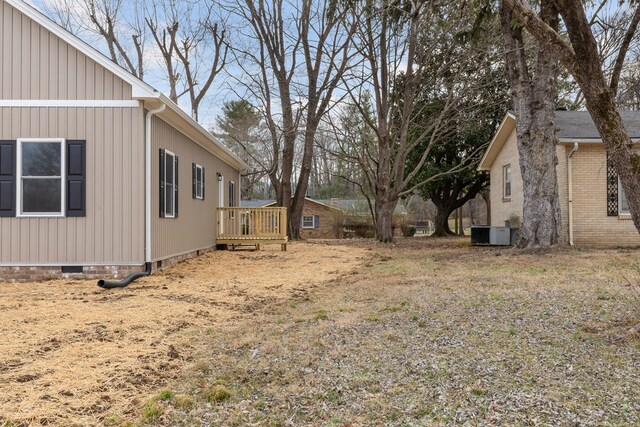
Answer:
(319, 220)
(594, 208)
(328, 219)
(99, 172)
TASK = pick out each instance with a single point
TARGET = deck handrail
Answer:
(244, 223)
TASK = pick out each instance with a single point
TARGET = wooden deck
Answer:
(252, 226)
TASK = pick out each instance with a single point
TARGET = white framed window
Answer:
(199, 179)
(40, 177)
(506, 179)
(308, 221)
(169, 184)
(623, 203)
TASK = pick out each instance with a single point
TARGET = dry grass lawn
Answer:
(419, 333)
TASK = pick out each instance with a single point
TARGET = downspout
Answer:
(147, 180)
(105, 284)
(570, 188)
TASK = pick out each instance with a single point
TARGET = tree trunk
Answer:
(441, 222)
(384, 221)
(534, 98)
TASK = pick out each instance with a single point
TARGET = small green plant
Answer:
(183, 402)
(321, 315)
(166, 394)
(151, 411)
(217, 394)
(372, 318)
(110, 420)
(478, 391)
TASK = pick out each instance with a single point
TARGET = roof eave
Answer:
(504, 130)
(194, 131)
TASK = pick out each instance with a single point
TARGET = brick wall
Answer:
(37, 273)
(592, 226)
(503, 209)
(330, 219)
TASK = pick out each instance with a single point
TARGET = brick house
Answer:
(593, 205)
(319, 220)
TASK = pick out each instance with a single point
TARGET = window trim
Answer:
(201, 168)
(168, 153)
(313, 221)
(63, 176)
(622, 213)
(504, 182)
(232, 198)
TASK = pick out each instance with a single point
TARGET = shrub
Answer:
(151, 411)
(408, 230)
(183, 402)
(217, 394)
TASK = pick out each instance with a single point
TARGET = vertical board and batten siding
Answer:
(195, 226)
(36, 64)
(113, 230)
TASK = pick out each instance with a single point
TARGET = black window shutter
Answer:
(203, 183)
(612, 190)
(194, 178)
(316, 221)
(162, 182)
(175, 170)
(76, 178)
(7, 178)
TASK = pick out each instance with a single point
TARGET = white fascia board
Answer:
(139, 88)
(507, 117)
(68, 103)
(588, 140)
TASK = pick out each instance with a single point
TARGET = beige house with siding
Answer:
(99, 172)
(594, 209)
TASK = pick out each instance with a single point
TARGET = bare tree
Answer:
(105, 18)
(294, 56)
(407, 53)
(193, 47)
(581, 58)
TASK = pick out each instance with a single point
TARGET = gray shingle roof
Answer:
(578, 124)
(255, 203)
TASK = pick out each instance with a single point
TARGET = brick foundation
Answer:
(39, 273)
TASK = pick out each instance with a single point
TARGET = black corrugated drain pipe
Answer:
(106, 284)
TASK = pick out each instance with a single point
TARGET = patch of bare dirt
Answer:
(73, 354)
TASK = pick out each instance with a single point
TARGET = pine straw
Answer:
(73, 354)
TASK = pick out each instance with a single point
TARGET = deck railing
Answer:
(249, 224)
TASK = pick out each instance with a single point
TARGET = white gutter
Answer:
(147, 181)
(570, 185)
